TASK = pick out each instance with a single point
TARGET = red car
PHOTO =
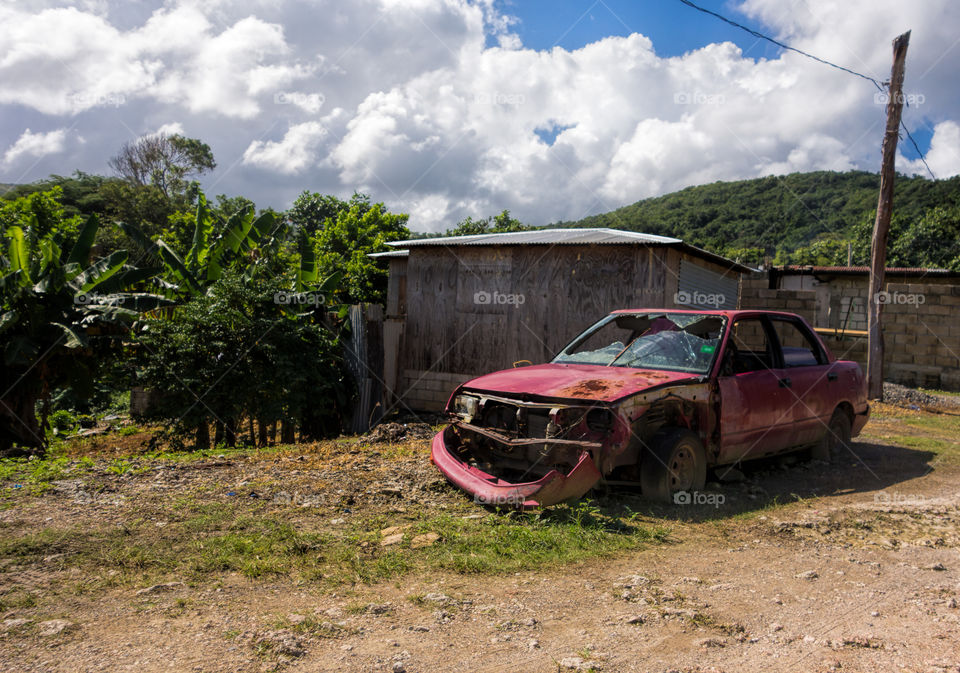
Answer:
(654, 397)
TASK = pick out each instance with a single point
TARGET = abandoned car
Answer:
(654, 397)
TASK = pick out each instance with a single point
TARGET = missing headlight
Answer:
(466, 406)
(600, 420)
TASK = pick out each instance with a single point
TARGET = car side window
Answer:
(799, 347)
(749, 348)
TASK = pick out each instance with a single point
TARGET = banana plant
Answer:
(50, 300)
(217, 245)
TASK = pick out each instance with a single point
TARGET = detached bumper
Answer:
(487, 489)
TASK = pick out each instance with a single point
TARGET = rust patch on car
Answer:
(591, 386)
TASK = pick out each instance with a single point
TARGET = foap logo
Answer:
(697, 98)
(900, 298)
(484, 298)
(89, 100)
(699, 299)
(299, 299)
(897, 498)
(499, 98)
(88, 298)
(698, 498)
(308, 101)
(509, 499)
(910, 99)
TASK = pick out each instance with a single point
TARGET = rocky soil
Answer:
(805, 567)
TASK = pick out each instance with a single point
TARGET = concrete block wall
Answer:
(429, 390)
(755, 293)
(921, 328)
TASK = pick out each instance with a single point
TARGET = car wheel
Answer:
(836, 437)
(675, 461)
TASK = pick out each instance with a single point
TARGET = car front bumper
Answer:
(488, 489)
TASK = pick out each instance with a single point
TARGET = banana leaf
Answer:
(100, 271)
(80, 253)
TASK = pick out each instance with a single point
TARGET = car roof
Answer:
(733, 315)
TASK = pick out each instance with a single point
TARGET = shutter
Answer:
(701, 288)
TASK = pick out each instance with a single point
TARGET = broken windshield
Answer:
(684, 342)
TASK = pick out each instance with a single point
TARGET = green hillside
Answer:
(787, 215)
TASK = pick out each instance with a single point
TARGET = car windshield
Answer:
(685, 342)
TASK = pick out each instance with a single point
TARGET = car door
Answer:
(755, 415)
(807, 373)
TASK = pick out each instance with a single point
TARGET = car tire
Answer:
(836, 438)
(673, 462)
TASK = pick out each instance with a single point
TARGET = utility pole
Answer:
(881, 227)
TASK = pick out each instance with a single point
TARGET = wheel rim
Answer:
(681, 469)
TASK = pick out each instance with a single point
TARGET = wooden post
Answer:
(881, 227)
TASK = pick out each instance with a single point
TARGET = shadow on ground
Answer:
(869, 468)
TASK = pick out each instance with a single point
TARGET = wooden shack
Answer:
(462, 306)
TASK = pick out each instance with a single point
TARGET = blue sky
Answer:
(452, 108)
(673, 27)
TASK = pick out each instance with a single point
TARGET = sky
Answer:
(445, 109)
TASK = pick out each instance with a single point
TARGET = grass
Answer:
(205, 536)
(206, 540)
(937, 433)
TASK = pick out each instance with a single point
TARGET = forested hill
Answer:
(780, 214)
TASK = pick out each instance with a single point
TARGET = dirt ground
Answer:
(804, 567)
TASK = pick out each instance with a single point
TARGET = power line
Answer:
(761, 36)
(780, 44)
(917, 148)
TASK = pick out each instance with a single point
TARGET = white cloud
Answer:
(406, 100)
(293, 154)
(170, 129)
(177, 56)
(35, 145)
(944, 155)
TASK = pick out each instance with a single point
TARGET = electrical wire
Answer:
(876, 83)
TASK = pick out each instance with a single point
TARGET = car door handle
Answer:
(831, 376)
(785, 383)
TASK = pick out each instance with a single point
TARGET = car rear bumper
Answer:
(488, 489)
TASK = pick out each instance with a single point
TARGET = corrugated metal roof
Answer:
(795, 269)
(544, 237)
(390, 253)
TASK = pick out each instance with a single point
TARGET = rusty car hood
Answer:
(597, 383)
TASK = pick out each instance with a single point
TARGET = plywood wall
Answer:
(475, 310)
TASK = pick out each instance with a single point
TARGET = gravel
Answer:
(911, 398)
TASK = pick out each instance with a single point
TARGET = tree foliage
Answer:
(344, 243)
(54, 302)
(164, 161)
(311, 210)
(799, 212)
(237, 352)
(494, 224)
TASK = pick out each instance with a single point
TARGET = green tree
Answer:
(825, 250)
(493, 224)
(343, 244)
(930, 240)
(164, 161)
(311, 210)
(52, 299)
(237, 353)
